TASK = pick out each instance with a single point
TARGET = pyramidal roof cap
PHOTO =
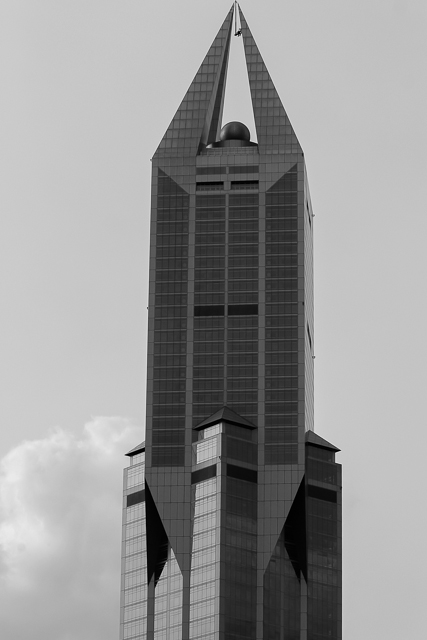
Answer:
(313, 438)
(138, 449)
(225, 415)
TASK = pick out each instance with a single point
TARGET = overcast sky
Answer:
(88, 90)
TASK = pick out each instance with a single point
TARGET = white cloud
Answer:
(60, 521)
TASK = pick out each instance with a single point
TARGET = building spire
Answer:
(197, 122)
(198, 119)
(266, 103)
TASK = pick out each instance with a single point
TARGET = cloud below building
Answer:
(60, 505)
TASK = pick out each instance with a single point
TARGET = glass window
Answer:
(209, 186)
(135, 475)
(206, 450)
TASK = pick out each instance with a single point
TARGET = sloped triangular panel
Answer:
(157, 540)
(295, 533)
(197, 121)
(282, 601)
(166, 186)
(171, 495)
(287, 182)
(273, 510)
(313, 438)
(273, 126)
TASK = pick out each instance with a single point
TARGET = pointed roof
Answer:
(198, 119)
(197, 122)
(266, 103)
(138, 449)
(313, 438)
(225, 415)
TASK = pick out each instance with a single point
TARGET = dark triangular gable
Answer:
(225, 414)
(313, 438)
(295, 533)
(157, 539)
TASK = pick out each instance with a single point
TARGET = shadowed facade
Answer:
(231, 521)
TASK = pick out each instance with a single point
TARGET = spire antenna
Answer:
(237, 32)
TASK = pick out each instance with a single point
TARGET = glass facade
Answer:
(323, 477)
(168, 603)
(223, 568)
(204, 566)
(282, 602)
(170, 348)
(232, 507)
(134, 591)
(281, 321)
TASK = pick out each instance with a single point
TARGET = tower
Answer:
(231, 515)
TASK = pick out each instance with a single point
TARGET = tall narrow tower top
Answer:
(197, 122)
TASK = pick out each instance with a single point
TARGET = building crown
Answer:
(197, 122)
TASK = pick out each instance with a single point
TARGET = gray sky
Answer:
(88, 90)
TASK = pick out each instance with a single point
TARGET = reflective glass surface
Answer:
(168, 601)
(134, 561)
(324, 544)
(204, 570)
(281, 410)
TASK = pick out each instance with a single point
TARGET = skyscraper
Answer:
(231, 515)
